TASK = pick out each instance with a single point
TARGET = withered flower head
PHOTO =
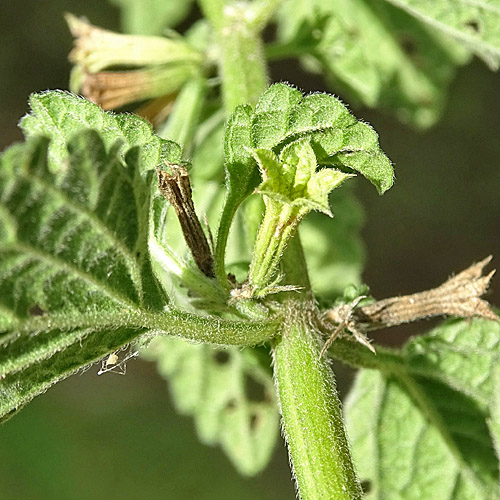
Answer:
(152, 66)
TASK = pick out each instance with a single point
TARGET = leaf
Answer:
(229, 394)
(72, 247)
(335, 135)
(241, 173)
(151, 17)
(474, 24)
(420, 430)
(375, 53)
(60, 115)
(74, 268)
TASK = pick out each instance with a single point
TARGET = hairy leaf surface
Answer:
(228, 392)
(283, 115)
(60, 115)
(428, 429)
(73, 252)
(74, 264)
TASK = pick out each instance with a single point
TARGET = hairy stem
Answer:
(312, 418)
(189, 326)
(310, 406)
(309, 403)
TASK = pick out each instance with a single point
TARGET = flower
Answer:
(113, 69)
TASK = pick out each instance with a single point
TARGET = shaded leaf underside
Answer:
(229, 394)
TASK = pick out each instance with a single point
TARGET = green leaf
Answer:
(60, 115)
(229, 394)
(80, 229)
(494, 406)
(336, 136)
(375, 53)
(152, 17)
(474, 24)
(241, 173)
(420, 430)
(74, 266)
(73, 250)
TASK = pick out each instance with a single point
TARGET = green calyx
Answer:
(292, 178)
(291, 188)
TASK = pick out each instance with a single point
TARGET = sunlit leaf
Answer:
(421, 431)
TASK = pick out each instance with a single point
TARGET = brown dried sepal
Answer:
(458, 296)
(176, 188)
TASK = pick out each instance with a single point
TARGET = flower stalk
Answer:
(291, 188)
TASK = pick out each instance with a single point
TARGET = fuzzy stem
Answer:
(309, 403)
(312, 417)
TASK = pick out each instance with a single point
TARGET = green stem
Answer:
(202, 329)
(312, 418)
(358, 356)
(226, 219)
(309, 403)
(244, 77)
(310, 406)
(242, 65)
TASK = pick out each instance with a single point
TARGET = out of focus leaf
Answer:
(373, 52)
(476, 25)
(228, 392)
(334, 249)
(151, 17)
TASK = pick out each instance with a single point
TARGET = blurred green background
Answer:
(118, 437)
